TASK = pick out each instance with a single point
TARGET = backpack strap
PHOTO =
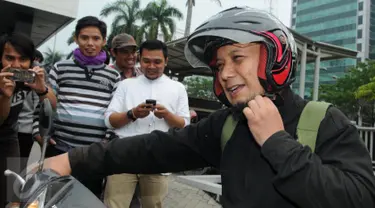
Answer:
(309, 122)
(307, 128)
(227, 131)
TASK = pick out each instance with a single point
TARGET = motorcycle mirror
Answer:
(45, 118)
(45, 127)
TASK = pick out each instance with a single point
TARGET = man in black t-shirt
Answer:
(16, 51)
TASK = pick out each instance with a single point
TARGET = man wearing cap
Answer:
(124, 49)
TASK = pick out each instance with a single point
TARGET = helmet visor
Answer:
(201, 46)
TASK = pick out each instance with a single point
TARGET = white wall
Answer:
(67, 8)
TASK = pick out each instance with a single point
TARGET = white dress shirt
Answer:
(134, 91)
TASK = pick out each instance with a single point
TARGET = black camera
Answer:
(22, 75)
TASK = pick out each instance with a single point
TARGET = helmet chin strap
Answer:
(276, 98)
(271, 96)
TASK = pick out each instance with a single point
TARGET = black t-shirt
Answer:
(10, 126)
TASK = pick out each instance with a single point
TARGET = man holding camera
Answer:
(17, 80)
(149, 102)
(29, 117)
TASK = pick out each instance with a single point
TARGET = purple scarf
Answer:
(86, 60)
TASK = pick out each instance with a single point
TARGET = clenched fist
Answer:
(263, 118)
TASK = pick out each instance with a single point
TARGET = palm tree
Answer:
(190, 4)
(51, 57)
(127, 13)
(71, 38)
(159, 15)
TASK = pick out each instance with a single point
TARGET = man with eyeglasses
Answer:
(124, 49)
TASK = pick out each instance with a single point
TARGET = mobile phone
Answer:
(151, 101)
(22, 75)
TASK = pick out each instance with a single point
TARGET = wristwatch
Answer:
(43, 93)
(130, 115)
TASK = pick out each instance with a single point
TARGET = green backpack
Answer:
(307, 128)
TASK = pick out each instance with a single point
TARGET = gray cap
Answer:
(123, 40)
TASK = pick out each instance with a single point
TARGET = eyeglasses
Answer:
(127, 50)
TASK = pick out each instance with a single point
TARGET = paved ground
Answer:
(184, 196)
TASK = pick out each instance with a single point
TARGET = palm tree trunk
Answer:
(188, 18)
(156, 31)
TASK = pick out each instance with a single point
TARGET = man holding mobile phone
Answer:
(16, 51)
(140, 105)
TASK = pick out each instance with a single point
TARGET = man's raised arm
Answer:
(192, 147)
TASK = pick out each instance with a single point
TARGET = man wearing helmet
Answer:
(253, 58)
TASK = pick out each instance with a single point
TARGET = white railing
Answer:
(367, 136)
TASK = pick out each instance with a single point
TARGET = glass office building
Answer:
(346, 23)
(372, 30)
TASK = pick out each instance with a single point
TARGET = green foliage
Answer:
(140, 23)
(200, 87)
(71, 38)
(51, 57)
(366, 91)
(158, 15)
(351, 91)
(127, 13)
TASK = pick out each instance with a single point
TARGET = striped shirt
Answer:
(27, 116)
(136, 71)
(83, 94)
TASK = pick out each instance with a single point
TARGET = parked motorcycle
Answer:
(45, 188)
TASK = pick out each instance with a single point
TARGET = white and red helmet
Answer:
(278, 59)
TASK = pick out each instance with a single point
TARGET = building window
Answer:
(294, 10)
(360, 6)
(293, 21)
(360, 20)
(359, 47)
(359, 60)
(359, 34)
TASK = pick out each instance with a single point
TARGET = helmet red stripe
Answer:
(282, 77)
(279, 48)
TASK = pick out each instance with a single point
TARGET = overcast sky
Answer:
(202, 11)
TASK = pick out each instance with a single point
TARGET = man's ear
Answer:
(104, 42)
(113, 52)
(166, 61)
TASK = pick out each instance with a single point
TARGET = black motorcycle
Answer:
(47, 189)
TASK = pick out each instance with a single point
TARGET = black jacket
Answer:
(282, 173)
